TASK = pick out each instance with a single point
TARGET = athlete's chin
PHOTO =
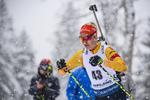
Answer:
(87, 47)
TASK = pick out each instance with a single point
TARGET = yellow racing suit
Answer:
(114, 61)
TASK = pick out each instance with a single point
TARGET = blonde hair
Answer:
(91, 24)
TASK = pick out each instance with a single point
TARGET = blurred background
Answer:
(31, 30)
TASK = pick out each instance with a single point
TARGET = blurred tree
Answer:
(16, 60)
(23, 64)
(129, 33)
(143, 82)
(118, 30)
(110, 8)
(8, 83)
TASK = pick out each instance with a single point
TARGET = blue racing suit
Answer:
(74, 92)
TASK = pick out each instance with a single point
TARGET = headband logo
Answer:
(85, 30)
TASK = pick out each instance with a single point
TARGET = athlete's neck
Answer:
(95, 50)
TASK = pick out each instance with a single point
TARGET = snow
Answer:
(40, 21)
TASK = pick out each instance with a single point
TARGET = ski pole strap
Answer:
(100, 62)
(117, 83)
(78, 83)
(37, 96)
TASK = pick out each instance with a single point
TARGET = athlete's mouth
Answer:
(86, 45)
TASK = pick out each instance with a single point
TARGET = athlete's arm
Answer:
(114, 61)
(76, 60)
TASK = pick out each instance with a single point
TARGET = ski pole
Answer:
(78, 83)
(117, 83)
(94, 8)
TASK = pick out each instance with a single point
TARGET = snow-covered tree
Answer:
(129, 33)
(23, 64)
(143, 82)
(16, 60)
(8, 83)
(120, 29)
(110, 20)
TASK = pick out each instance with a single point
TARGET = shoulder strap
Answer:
(103, 43)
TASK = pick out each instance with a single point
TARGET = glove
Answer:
(95, 60)
(61, 63)
(39, 85)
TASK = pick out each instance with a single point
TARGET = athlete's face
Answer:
(89, 44)
(43, 72)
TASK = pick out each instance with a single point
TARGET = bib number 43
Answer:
(97, 75)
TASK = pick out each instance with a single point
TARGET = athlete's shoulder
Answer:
(109, 49)
(80, 51)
